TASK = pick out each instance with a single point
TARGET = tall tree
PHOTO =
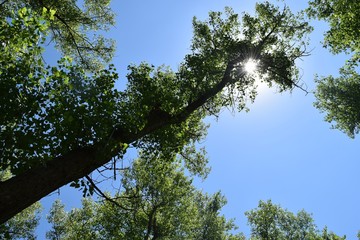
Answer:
(73, 122)
(269, 222)
(339, 97)
(156, 201)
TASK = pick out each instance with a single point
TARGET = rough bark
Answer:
(25, 189)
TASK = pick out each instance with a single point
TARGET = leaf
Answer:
(52, 14)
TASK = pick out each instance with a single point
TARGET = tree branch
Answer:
(98, 190)
(21, 191)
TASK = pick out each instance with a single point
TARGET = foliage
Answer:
(47, 110)
(270, 221)
(65, 117)
(194, 216)
(22, 225)
(71, 27)
(343, 21)
(156, 201)
(339, 96)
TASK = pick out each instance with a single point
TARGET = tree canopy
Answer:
(73, 121)
(156, 201)
(270, 221)
(195, 218)
(71, 25)
(339, 96)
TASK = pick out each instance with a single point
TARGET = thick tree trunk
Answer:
(25, 189)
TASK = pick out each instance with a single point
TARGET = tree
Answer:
(56, 217)
(156, 201)
(73, 121)
(71, 25)
(339, 97)
(23, 225)
(196, 217)
(270, 221)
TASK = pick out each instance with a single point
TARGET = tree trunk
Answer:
(23, 190)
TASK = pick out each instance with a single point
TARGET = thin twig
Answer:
(104, 195)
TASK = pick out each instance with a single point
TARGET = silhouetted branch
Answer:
(98, 190)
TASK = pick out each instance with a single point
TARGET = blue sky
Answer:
(280, 150)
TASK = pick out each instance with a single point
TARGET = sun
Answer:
(250, 66)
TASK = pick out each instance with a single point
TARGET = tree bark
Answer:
(25, 189)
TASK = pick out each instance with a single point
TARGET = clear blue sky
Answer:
(280, 150)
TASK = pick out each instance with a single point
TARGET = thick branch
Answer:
(156, 123)
(150, 223)
(21, 191)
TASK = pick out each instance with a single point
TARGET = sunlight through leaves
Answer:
(250, 66)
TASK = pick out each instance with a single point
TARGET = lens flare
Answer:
(250, 66)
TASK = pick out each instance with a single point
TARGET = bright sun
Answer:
(250, 66)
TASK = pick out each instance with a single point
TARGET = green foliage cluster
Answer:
(194, 216)
(72, 25)
(339, 96)
(23, 225)
(343, 22)
(270, 221)
(47, 110)
(157, 201)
